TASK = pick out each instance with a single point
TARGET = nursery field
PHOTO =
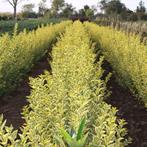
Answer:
(73, 84)
(28, 24)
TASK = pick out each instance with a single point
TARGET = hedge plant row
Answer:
(127, 56)
(72, 94)
(19, 52)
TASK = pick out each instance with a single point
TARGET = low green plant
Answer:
(21, 51)
(7, 26)
(127, 56)
(74, 139)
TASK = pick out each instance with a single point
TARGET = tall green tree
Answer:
(89, 12)
(103, 5)
(56, 6)
(86, 12)
(14, 4)
(28, 7)
(42, 7)
(28, 12)
(141, 10)
(113, 8)
(68, 10)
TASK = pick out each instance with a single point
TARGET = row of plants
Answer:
(72, 94)
(138, 28)
(19, 52)
(127, 56)
(28, 24)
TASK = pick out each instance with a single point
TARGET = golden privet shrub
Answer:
(19, 52)
(127, 56)
(62, 98)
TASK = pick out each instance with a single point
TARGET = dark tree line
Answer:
(112, 9)
(117, 10)
(61, 9)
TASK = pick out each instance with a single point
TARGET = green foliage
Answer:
(31, 24)
(117, 11)
(28, 12)
(20, 52)
(86, 12)
(7, 134)
(76, 140)
(6, 16)
(42, 8)
(56, 6)
(141, 10)
(74, 90)
(107, 130)
(112, 8)
(26, 15)
(28, 7)
(68, 11)
(127, 56)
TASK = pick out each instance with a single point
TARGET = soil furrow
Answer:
(11, 105)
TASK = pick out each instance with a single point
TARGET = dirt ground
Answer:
(129, 108)
(11, 105)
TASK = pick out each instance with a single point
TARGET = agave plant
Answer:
(74, 139)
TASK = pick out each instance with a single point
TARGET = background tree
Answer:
(56, 6)
(82, 13)
(14, 4)
(42, 9)
(103, 5)
(141, 10)
(128, 15)
(86, 12)
(27, 11)
(89, 12)
(114, 8)
(28, 7)
(68, 10)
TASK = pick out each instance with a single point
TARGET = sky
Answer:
(5, 7)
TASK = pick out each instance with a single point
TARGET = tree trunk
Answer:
(15, 13)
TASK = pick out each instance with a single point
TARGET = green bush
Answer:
(6, 16)
(26, 15)
(127, 56)
(20, 52)
(28, 24)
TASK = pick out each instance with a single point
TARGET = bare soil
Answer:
(129, 108)
(11, 105)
